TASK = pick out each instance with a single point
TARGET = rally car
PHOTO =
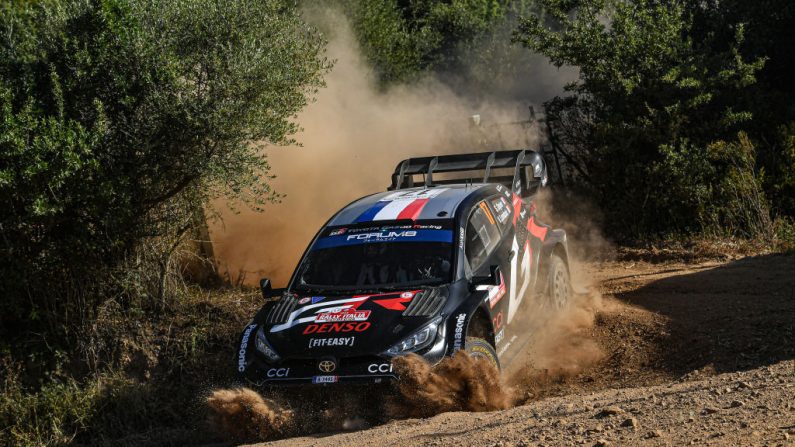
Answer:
(428, 267)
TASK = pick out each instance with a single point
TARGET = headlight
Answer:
(265, 348)
(418, 340)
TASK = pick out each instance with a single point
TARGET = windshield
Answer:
(383, 257)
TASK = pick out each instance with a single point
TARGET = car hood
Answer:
(342, 326)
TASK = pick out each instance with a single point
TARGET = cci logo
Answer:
(278, 372)
(326, 366)
(379, 368)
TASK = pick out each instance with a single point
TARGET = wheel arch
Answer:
(481, 326)
(556, 243)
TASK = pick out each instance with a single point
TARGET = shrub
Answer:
(120, 119)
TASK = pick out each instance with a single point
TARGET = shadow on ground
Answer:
(733, 317)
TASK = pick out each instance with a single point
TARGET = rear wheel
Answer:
(559, 286)
(481, 349)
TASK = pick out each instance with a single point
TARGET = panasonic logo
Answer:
(241, 355)
(382, 235)
(458, 335)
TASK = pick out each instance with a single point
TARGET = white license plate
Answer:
(324, 379)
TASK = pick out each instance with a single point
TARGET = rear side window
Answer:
(482, 236)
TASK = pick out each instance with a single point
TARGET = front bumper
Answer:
(330, 370)
(322, 371)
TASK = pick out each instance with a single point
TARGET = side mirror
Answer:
(266, 288)
(494, 278)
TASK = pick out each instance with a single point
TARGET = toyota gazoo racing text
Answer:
(428, 267)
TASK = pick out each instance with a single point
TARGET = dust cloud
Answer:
(562, 343)
(458, 383)
(353, 137)
(242, 414)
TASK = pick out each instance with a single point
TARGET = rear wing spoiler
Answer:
(529, 169)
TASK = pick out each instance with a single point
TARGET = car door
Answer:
(486, 247)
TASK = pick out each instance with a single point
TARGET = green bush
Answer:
(120, 119)
(642, 129)
(466, 42)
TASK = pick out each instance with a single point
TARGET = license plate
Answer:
(324, 379)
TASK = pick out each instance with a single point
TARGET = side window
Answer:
(482, 236)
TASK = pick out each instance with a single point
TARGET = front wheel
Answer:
(481, 349)
(559, 285)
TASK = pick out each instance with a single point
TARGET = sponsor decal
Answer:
(506, 345)
(317, 299)
(342, 315)
(381, 236)
(304, 300)
(458, 334)
(337, 232)
(411, 235)
(334, 341)
(400, 205)
(497, 321)
(413, 195)
(327, 328)
(501, 208)
(241, 355)
(327, 366)
(497, 292)
(536, 230)
(517, 207)
(407, 295)
(376, 368)
(324, 379)
(461, 238)
(500, 335)
(293, 319)
(278, 372)
(393, 303)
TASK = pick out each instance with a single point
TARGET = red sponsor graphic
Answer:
(325, 328)
(496, 294)
(536, 230)
(497, 321)
(517, 207)
(342, 315)
(393, 303)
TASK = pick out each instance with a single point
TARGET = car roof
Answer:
(432, 203)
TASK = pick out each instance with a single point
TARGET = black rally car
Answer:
(429, 267)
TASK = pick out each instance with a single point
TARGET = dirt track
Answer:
(694, 353)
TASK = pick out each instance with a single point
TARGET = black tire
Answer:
(558, 283)
(480, 348)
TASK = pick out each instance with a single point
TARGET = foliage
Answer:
(639, 125)
(119, 119)
(152, 392)
(466, 41)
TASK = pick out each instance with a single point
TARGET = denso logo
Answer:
(382, 235)
(278, 372)
(241, 355)
(336, 327)
(379, 368)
